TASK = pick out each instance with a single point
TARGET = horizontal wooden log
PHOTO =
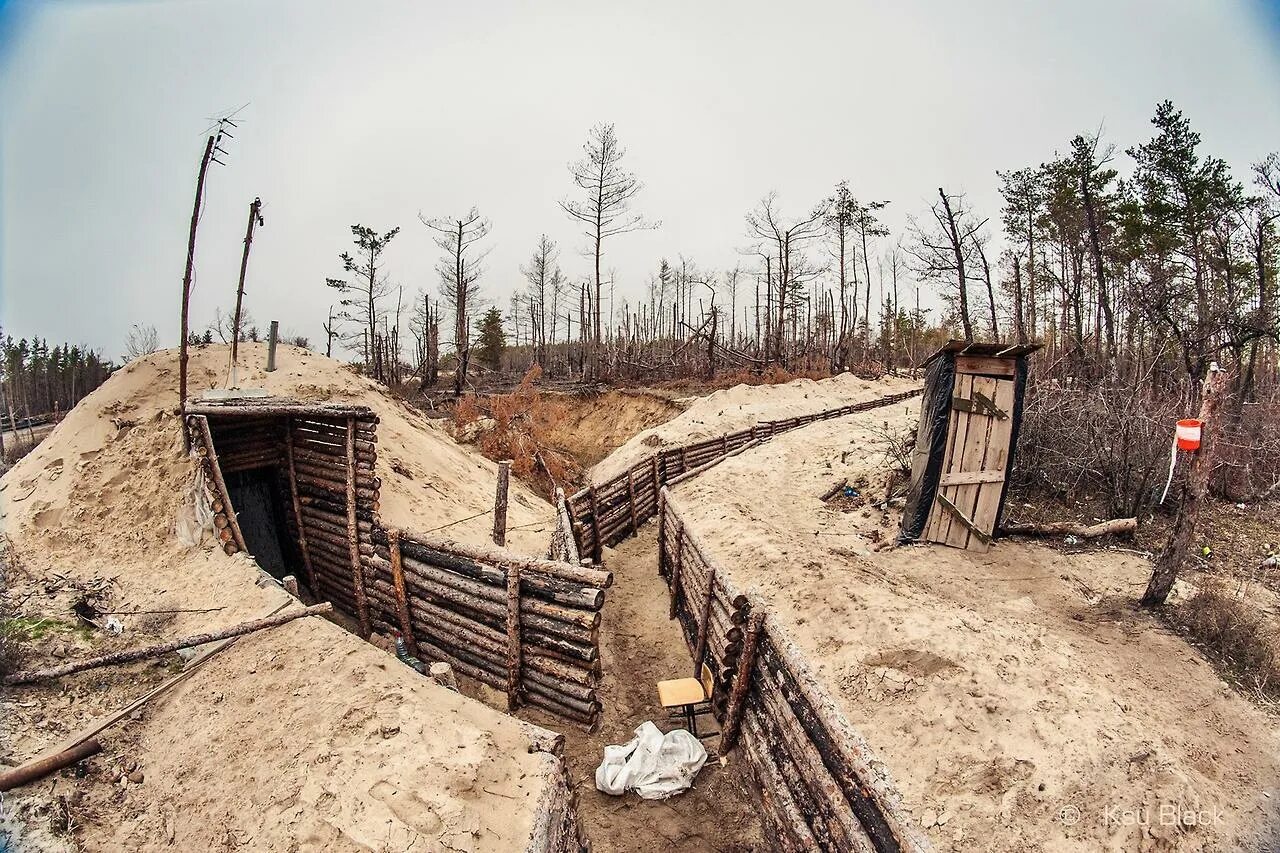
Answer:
(465, 633)
(494, 556)
(459, 586)
(250, 407)
(1115, 526)
(532, 583)
(451, 597)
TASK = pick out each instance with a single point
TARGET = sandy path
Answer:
(1019, 700)
(640, 647)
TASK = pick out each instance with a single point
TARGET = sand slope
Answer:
(742, 406)
(280, 725)
(1018, 699)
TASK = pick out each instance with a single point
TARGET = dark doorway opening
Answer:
(257, 497)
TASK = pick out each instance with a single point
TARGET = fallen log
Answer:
(129, 656)
(42, 767)
(1115, 526)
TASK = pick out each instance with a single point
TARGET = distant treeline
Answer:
(37, 379)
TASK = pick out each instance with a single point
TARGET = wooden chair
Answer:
(691, 696)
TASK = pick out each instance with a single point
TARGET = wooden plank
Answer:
(964, 520)
(975, 452)
(939, 526)
(967, 477)
(987, 504)
(984, 365)
(980, 404)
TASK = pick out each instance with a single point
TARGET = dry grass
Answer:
(523, 422)
(1226, 624)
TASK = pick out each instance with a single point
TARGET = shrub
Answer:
(1229, 628)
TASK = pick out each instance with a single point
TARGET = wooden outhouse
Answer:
(964, 452)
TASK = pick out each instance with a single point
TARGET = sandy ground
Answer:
(91, 517)
(742, 406)
(640, 647)
(1018, 698)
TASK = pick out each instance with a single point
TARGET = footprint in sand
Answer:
(408, 807)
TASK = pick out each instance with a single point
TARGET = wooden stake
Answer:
(402, 597)
(597, 548)
(297, 510)
(357, 571)
(704, 622)
(513, 637)
(500, 503)
(741, 681)
(677, 562)
(631, 499)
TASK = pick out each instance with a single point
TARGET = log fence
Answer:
(820, 788)
(602, 515)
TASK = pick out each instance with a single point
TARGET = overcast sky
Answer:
(373, 111)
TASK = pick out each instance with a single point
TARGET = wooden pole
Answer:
(357, 571)
(704, 623)
(597, 548)
(677, 562)
(631, 500)
(297, 507)
(741, 682)
(186, 278)
(115, 658)
(500, 503)
(513, 637)
(219, 483)
(402, 597)
(1174, 553)
(255, 218)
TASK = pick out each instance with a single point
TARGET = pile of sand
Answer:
(1019, 700)
(298, 711)
(743, 406)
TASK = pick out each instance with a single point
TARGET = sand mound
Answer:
(1019, 700)
(94, 508)
(742, 406)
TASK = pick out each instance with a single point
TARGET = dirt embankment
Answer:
(743, 406)
(1019, 699)
(305, 735)
(594, 425)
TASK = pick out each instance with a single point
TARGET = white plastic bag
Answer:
(652, 764)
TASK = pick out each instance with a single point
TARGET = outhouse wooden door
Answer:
(973, 471)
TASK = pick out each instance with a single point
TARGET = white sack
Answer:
(652, 764)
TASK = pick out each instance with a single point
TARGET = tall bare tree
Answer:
(460, 271)
(604, 206)
(366, 284)
(782, 241)
(941, 251)
(543, 277)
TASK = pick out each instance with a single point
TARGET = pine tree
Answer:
(493, 339)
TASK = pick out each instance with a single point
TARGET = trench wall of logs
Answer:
(603, 515)
(526, 626)
(819, 786)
